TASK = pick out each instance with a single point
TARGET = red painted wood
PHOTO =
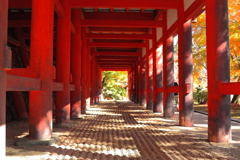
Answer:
(57, 86)
(40, 109)
(155, 4)
(185, 69)
(59, 8)
(121, 23)
(3, 42)
(195, 9)
(121, 45)
(219, 116)
(83, 70)
(23, 4)
(118, 30)
(63, 65)
(118, 36)
(168, 81)
(22, 48)
(19, 104)
(118, 53)
(17, 83)
(75, 97)
(119, 15)
(157, 97)
(229, 88)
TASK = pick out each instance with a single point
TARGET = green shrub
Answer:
(201, 95)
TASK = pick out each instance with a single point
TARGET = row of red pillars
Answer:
(70, 71)
(156, 76)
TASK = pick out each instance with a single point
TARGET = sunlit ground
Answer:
(122, 130)
(235, 109)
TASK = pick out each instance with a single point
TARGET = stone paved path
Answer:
(118, 131)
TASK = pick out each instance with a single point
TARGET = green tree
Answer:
(114, 84)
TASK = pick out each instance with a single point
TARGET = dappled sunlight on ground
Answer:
(122, 130)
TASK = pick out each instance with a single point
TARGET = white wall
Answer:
(187, 4)
(159, 33)
(171, 17)
(143, 52)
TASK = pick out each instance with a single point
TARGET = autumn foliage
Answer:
(199, 44)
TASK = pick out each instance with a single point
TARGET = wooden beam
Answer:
(121, 23)
(118, 29)
(116, 57)
(118, 36)
(195, 9)
(107, 69)
(73, 29)
(118, 53)
(229, 88)
(120, 45)
(17, 83)
(18, 4)
(58, 8)
(153, 4)
(116, 61)
(57, 86)
(119, 16)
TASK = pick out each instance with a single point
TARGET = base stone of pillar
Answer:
(25, 141)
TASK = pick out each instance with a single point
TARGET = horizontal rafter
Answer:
(153, 4)
(119, 36)
(118, 53)
(119, 15)
(17, 83)
(120, 45)
(121, 23)
(118, 29)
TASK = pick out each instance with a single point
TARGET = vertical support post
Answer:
(168, 63)
(168, 69)
(88, 61)
(157, 76)
(83, 68)
(3, 44)
(76, 65)
(148, 81)
(143, 83)
(219, 115)
(19, 104)
(63, 65)
(185, 69)
(41, 63)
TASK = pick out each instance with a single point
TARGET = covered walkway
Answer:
(122, 130)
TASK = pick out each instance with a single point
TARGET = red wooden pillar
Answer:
(88, 82)
(83, 69)
(143, 83)
(63, 65)
(157, 76)
(76, 65)
(92, 79)
(148, 81)
(185, 69)
(19, 104)
(168, 81)
(17, 97)
(3, 44)
(219, 116)
(168, 69)
(140, 87)
(41, 63)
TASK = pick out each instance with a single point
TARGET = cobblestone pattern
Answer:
(119, 131)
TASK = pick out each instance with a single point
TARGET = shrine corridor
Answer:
(122, 130)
